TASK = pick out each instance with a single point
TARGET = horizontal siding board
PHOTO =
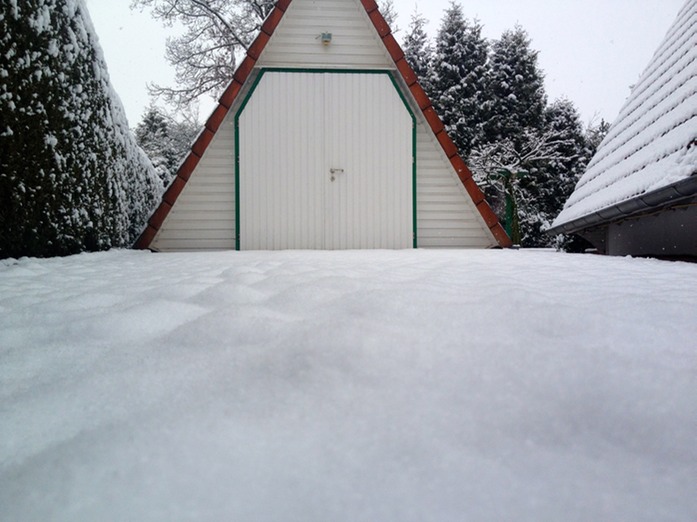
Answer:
(203, 217)
(212, 197)
(203, 225)
(224, 211)
(194, 244)
(451, 242)
(446, 216)
(448, 223)
(193, 234)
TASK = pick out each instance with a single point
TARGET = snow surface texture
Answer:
(648, 146)
(348, 386)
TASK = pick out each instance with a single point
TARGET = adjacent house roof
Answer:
(242, 74)
(648, 159)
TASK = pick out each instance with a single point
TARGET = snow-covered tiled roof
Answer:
(652, 142)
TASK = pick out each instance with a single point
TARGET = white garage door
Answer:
(325, 162)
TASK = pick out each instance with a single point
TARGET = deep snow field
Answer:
(348, 386)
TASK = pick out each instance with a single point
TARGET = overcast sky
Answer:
(591, 51)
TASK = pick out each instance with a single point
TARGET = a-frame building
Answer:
(324, 139)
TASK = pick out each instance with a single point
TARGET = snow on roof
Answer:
(652, 142)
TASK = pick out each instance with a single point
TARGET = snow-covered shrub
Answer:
(165, 140)
(71, 175)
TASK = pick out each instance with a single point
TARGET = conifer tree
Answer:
(165, 140)
(71, 176)
(556, 177)
(515, 87)
(418, 50)
(458, 82)
(595, 134)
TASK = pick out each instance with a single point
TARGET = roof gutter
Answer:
(664, 197)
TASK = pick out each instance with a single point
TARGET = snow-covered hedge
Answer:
(71, 175)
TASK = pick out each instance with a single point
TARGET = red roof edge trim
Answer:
(160, 215)
(461, 168)
(201, 144)
(407, 72)
(172, 193)
(216, 118)
(272, 21)
(369, 5)
(489, 217)
(474, 191)
(188, 165)
(381, 25)
(393, 48)
(242, 72)
(501, 236)
(258, 45)
(230, 94)
(147, 237)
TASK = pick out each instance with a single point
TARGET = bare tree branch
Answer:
(215, 33)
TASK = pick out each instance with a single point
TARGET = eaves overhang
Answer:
(665, 197)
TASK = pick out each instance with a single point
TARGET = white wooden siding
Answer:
(319, 121)
(203, 218)
(355, 43)
(446, 215)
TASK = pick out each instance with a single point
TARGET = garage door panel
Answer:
(371, 140)
(295, 128)
(280, 194)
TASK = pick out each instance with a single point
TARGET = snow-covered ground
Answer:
(348, 386)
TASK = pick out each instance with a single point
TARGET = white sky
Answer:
(590, 50)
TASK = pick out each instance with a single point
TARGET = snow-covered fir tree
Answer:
(556, 177)
(71, 175)
(595, 134)
(165, 140)
(458, 80)
(516, 96)
(418, 50)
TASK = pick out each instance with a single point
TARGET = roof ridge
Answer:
(241, 75)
